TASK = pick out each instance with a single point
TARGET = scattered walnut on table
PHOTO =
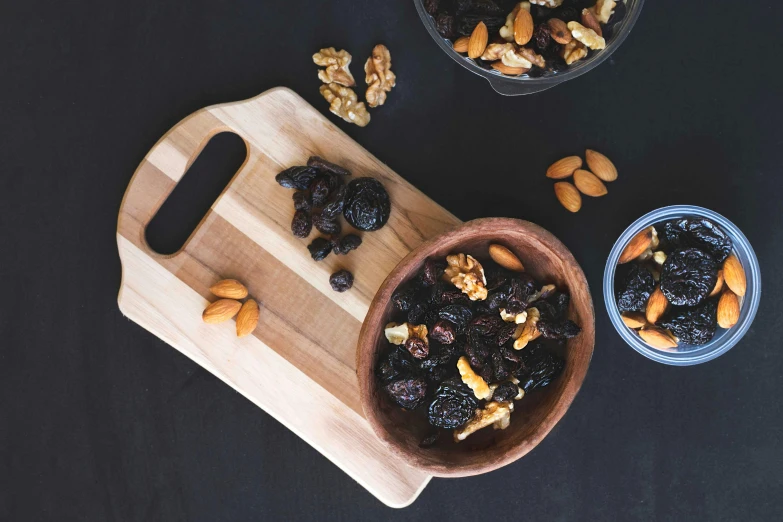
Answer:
(336, 63)
(467, 274)
(496, 413)
(379, 76)
(344, 103)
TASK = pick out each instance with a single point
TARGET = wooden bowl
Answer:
(546, 259)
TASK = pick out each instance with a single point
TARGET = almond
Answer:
(220, 311)
(589, 184)
(505, 258)
(511, 71)
(658, 338)
(591, 22)
(656, 306)
(734, 275)
(559, 31)
(461, 44)
(601, 166)
(634, 320)
(568, 196)
(563, 168)
(229, 288)
(247, 319)
(478, 41)
(523, 27)
(718, 285)
(728, 309)
(638, 245)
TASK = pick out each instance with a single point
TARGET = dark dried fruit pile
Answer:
(679, 289)
(461, 360)
(321, 196)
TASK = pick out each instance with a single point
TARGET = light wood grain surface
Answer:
(299, 363)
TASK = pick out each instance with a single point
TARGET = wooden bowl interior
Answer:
(546, 259)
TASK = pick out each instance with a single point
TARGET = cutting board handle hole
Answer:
(191, 199)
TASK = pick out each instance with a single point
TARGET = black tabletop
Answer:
(103, 421)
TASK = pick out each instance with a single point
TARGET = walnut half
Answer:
(344, 103)
(379, 76)
(495, 413)
(467, 274)
(336, 63)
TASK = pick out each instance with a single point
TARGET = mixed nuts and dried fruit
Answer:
(588, 183)
(320, 196)
(535, 38)
(465, 341)
(231, 292)
(678, 288)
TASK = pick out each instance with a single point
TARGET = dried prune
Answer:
(319, 248)
(302, 201)
(454, 405)
(444, 24)
(301, 225)
(538, 367)
(396, 364)
(458, 315)
(439, 355)
(319, 191)
(505, 333)
(520, 290)
(558, 329)
(326, 226)
(346, 244)
(438, 374)
(443, 332)
(489, 7)
(407, 393)
(496, 277)
(417, 312)
(296, 177)
(542, 38)
(341, 281)
(486, 372)
(334, 205)
(688, 276)
(442, 294)
(486, 325)
(505, 392)
(633, 294)
(695, 325)
(499, 369)
(467, 22)
(431, 6)
(403, 298)
(321, 164)
(418, 348)
(477, 355)
(431, 272)
(546, 310)
(367, 204)
(699, 233)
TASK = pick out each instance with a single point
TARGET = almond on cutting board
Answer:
(564, 168)
(601, 166)
(220, 311)
(728, 309)
(568, 196)
(229, 289)
(589, 184)
(734, 275)
(639, 244)
(478, 41)
(247, 318)
(505, 258)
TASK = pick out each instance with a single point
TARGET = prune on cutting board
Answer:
(346, 244)
(319, 190)
(699, 233)
(319, 248)
(695, 325)
(443, 332)
(444, 24)
(301, 225)
(302, 201)
(539, 367)
(367, 204)
(397, 364)
(407, 393)
(688, 276)
(341, 281)
(467, 22)
(634, 292)
(296, 177)
(321, 164)
(403, 298)
(335, 203)
(454, 404)
(325, 225)
(558, 329)
(418, 348)
(505, 392)
(458, 315)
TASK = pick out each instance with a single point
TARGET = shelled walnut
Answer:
(344, 103)
(378, 76)
(467, 274)
(336, 63)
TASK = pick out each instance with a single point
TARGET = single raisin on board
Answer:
(634, 292)
(302, 201)
(699, 233)
(346, 244)
(296, 177)
(688, 276)
(334, 205)
(341, 281)
(319, 248)
(301, 225)
(454, 404)
(319, 190)
(326, 226)
(321, 164)
(367, 204)
(408, 393)
(418, 348)
(695, 325)
(505, 392)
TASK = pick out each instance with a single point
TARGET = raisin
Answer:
(321, 164)
(301, 225)
(539, 367)
(326, 226)
(558, 330)
(319, 191)
(499, 370)
(417, 347)
(431, 272)
(542, 38)
(477, 355)
(443, 332)
(346, 244)
(487, 7)
(334, 205)
(486, 325)
(454, 404)
(341, 281)
(486, 372)
(505, 392)
(444, 24)
(417, 312)
(635, 290)
(540, 13)
(431, 6)
(296, 177)
(699, 233)
(439, 355)
(442, 294)
(407, 393)
(367, 204)
(302, 201)
(688, 276)
(695, 325)
(467, 22)
(505, 333)
(438, 374)
(395, 365)
(402, 298)
(519, 292)
(319, 248)
(458, 315)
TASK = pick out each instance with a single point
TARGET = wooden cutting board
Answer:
(299, 364)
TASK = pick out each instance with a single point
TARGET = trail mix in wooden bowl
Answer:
(467, 338)
(681, 284)
(527, 38)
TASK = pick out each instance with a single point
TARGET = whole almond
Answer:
(637, 246)
(634, 320)
(510, 71)
(461, 44)
(247, 318)
(559, 31)
(505, 258)
(229, 288)
(734, 275)
(718, 285)
(728, 309)
(589, 184)
(591, 22)
(658, 338)
(478, 41)
(601, 166)
(523, 27)
(656, 306)
(563, 168)
(220, 311)
(568, 196)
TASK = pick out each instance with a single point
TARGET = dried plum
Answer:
(443, 332)
(558, 329)
(418, 348)
(505, 392)
(688, 276)
(458, 315)
(431, 6)
(695, 325)
(477, 355)
(444, 24)
(520, 290)
(319, 190)
(467, 22)
(538, 367)
(321, 164)
(431, 272)
(335, 204)
(326, 226)
(439, 355)
(301, 225)
(417, 312)
(635, 290)
(302, 201)
(442, 294)
(454, 404)
(341, 281)
(408, 393)
(346, 244)
(319, 248)
(403, 298)
(505, 333)
(395, 365)
(486, 325)
(699, 233)
(367, 205)
(296, 177)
